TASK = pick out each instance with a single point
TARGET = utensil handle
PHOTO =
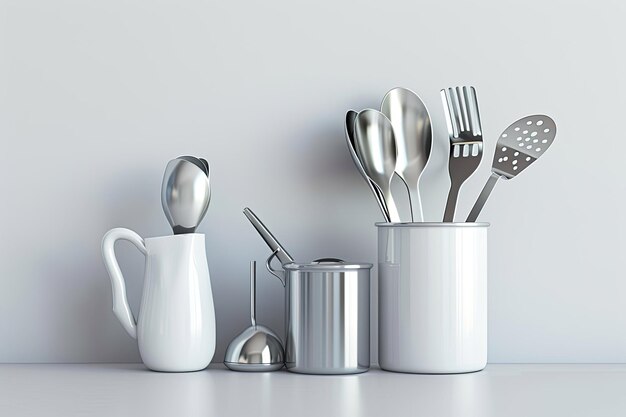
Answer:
(380, 199)
(394, 216)
(253, 292)
(417, 215)
(453, 195)
(328, 260)
(120, 302)
(482, 198)
(350, 116)
(282, 255)
(278, 274)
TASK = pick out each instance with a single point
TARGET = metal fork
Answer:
(466, 140)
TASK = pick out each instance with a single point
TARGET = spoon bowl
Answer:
(413, 133)
(376, 149)
(185, 194)
(380, 199)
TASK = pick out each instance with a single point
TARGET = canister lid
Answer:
(326, 264)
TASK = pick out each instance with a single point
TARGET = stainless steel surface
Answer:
(257, 348)
(521, 144)
(466, 140)
(327, 320)
(376, 149)
(325, 264)
(349, 129)
(253, 293)
(282, 255)
(185, 194)
(414, 135)
(278, 273)
(206, 165)
(197, 162)
(326, 308)
(482, 198)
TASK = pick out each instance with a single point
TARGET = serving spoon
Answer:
(380, 199)
(376, 149)
(413, 133)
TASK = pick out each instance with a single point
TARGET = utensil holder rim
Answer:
(432, 224)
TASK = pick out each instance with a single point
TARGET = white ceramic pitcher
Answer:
(176, 326)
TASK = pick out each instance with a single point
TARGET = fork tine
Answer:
(463, 107)
(474, 112)
(454, 100)
(465, 96)
(451, 120)
(456, 109)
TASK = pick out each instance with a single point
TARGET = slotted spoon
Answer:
(466, 140)
(521, 144)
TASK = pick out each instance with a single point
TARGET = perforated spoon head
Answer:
(522, 143)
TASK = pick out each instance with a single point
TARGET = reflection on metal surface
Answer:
(414, 136)
(257, 348)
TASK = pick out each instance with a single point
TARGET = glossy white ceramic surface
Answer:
(432, 297)
(176, 326)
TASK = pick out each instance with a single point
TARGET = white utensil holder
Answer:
(432, 297)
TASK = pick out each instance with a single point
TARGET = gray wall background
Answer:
(96, 97)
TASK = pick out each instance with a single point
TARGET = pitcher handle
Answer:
(120, 303)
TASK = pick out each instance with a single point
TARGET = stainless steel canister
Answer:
(327, 316)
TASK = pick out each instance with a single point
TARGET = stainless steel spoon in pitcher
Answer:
(186, 193)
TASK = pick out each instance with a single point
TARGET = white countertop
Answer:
(115, 390)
